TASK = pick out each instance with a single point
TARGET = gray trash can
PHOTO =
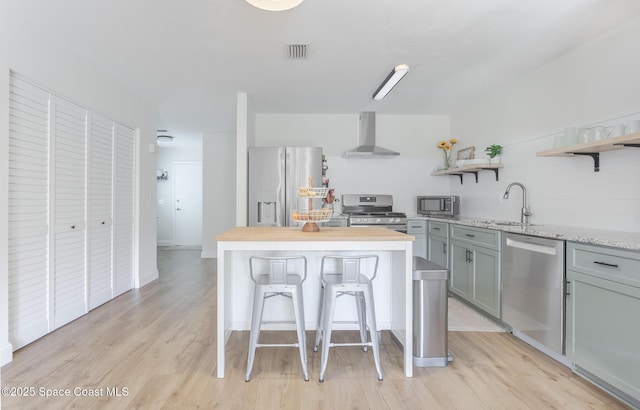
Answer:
(430, 324)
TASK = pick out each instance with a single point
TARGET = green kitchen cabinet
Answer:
(418, 229)
(438, 243)
(460, 270)
(603, 317)
(475, 266)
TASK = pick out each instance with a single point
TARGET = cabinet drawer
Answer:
(416, 226)
(478, 236)
(438, 229)
(612, 264)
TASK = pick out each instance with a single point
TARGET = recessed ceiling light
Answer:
(274, 5)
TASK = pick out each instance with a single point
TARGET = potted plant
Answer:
(494, 152)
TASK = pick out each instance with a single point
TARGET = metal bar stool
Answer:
(277, 281)
(343, 275)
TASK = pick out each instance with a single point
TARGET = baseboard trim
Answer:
(6, 354)
(151, 278)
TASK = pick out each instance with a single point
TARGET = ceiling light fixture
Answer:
(392, 79)
(274, 5)
(164, 138)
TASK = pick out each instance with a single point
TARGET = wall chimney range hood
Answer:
(367, 140)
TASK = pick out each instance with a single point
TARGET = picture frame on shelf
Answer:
(466, 153)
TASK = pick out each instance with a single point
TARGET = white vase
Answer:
(495, 160)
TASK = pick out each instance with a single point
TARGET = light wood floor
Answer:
(159, 343)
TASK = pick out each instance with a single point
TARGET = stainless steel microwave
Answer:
(441, 205)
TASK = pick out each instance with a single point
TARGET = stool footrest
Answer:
(277, 345)
(350, 344)
(278, 322)
(347, 322)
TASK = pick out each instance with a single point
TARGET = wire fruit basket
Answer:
(314, 215)
(311, 216)
(312, 192)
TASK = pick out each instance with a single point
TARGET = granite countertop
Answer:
(615, 239)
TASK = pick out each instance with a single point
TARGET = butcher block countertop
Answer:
(252, 233)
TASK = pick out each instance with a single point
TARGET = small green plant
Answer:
(493, 150)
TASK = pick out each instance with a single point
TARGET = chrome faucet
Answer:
(525, 212)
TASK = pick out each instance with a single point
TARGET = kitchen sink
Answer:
(506, 223)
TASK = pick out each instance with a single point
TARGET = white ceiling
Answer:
(191, 57)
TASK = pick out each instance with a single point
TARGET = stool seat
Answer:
(277, 278)
(341, 276)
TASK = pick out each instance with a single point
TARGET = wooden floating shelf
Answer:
(594, 148)
(470, 169)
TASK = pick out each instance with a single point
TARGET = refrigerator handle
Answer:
(281, 217)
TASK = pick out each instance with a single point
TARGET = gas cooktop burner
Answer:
(391, 214)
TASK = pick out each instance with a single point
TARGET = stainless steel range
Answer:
(373, 210)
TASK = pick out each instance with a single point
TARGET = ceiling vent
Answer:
(297, 51)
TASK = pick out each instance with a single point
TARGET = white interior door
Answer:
(28, 213)
(100, 204)
(124, 209)
(188, 203)
(69, 205)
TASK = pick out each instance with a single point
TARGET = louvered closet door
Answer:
(124, 215)
(69, 211)
(28, 217)
(100, 253)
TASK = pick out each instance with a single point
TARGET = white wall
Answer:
(65, 72)
(167, 155)
(219, 189)
(596, 83)
(404, 177)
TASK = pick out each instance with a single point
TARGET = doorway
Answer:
(179, 173)
(187, 201)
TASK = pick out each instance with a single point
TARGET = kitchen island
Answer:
(392, 285)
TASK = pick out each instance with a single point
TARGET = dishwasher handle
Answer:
(533, 247)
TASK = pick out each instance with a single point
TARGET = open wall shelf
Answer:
(594, 148)
(470, 169)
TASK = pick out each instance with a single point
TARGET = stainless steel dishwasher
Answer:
(533, 291)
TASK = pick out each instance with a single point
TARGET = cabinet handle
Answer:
(73, 227)
(469, 235)
(467, 256)
(102, 222)
(568, 284)
(470, 256)
(612, 265)
(436, 229)
(444, 248)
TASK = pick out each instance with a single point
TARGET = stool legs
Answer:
(366, 318)
(254, 335)
(329, 309)
(319, 325)
(256, 322)
(362, 318)
(373, 330)
(298, 308)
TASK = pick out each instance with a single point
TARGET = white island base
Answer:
(392, 285)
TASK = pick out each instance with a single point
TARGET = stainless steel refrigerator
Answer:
(275, 174)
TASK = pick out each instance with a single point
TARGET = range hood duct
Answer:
(367, 140)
